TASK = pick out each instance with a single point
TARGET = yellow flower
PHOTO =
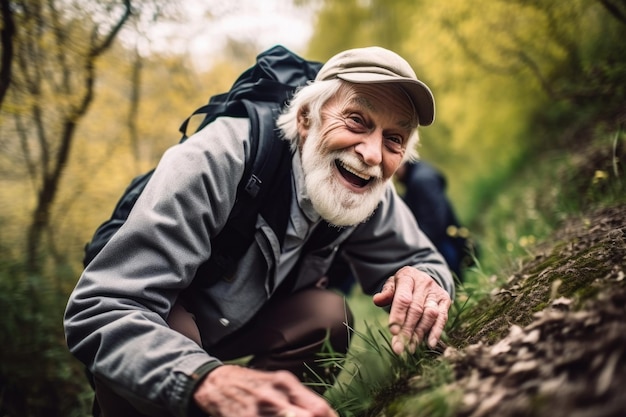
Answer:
(600, 175)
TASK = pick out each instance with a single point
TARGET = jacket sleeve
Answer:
(115, 320)
(389, 240)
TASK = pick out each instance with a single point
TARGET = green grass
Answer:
(536, 199)
(550, 188)
(39, 377)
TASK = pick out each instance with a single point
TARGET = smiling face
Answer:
(361, 142)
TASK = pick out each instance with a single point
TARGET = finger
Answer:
(402, 300)
(428, 319)
(412, 347)
(298, 412)
(233, 391)
(385, 296)
(302, 398)
(442, 318)
(404, 316)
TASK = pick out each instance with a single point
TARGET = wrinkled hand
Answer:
(419, 308)
(234, 391)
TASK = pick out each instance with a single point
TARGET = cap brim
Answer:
(419, 93)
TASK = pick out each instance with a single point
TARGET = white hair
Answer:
(313, 97)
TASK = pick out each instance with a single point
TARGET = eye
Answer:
(355, 122)
(395, 143)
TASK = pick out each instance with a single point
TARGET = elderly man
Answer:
(157, 345)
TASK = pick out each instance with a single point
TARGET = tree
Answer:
(499, 70)
(616, 8)
(57, 48)
(573, 50)
(56, 53)
(343, 24)
(7, 34)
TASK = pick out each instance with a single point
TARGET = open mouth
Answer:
(353, 177)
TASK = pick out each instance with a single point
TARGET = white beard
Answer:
(333, 201)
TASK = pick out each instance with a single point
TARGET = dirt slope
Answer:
(553, 341)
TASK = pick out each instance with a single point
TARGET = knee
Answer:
(334, 316)
(339, 312)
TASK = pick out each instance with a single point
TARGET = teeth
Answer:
(352, 171)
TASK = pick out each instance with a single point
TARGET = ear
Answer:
(304, 122)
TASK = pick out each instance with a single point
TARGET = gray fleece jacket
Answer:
(115, 321)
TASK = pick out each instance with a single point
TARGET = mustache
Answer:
(353, 161)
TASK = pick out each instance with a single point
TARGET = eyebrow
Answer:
(361, 101)
(365, 103)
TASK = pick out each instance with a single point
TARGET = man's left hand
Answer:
(419, 308)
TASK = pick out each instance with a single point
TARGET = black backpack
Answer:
(258, 94)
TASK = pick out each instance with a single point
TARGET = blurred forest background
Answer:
(85, 107)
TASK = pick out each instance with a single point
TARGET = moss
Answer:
(572, 268)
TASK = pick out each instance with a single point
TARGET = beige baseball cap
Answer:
(379, 65)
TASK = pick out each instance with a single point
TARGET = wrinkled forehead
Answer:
(380, 99)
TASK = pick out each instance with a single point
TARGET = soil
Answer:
(552, 342)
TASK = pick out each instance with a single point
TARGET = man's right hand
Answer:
(234, 391)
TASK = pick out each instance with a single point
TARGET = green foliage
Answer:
(372, 373)
(433, 399)
(37, 375)
(375, 381)
(554, 186)
(343, 24)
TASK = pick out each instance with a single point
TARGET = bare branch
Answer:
(614, 10)
(534, 68)
(97, 50)
(68, 123)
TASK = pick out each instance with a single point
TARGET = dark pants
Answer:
(287, 334)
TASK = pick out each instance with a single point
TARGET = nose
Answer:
(370, 149)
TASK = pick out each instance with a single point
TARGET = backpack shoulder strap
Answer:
(266, 189)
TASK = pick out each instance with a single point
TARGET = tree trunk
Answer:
(51, 177)
(7, 34)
